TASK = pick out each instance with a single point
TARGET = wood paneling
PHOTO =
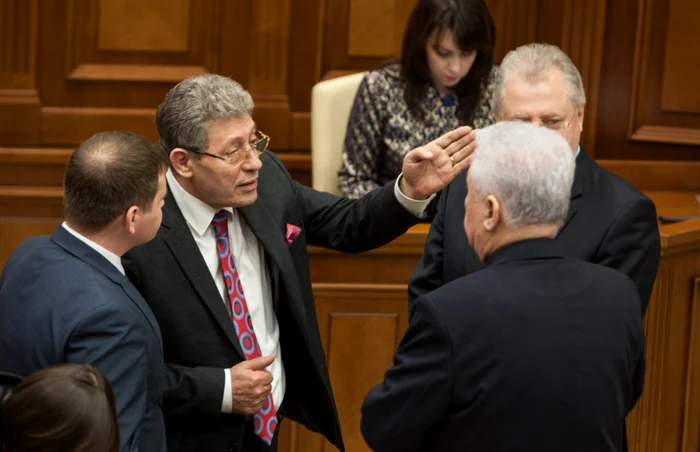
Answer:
(375, 27)
(666, 417)
(649, 57)
(19, 101)
(691, 426)
(355, 320)
(108, 64)
(153, 26)
(680, 91)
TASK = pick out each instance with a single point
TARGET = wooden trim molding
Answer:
(665, 134)
(134, 72)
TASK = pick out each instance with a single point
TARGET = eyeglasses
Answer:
(552, 124)
(259, 145)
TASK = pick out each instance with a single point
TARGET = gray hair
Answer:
(531, 62)
(182, 119)
(529, 169)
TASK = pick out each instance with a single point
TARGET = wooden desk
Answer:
(362, 312)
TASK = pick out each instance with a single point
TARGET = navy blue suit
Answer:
(536, 352)
(61, 301)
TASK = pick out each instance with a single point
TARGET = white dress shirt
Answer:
(249, 259)
(107, 254)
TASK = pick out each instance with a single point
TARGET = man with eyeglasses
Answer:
(609, 222)
(227, 275)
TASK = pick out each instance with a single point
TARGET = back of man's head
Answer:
(107, 174)
(532, 62)
(529, 169)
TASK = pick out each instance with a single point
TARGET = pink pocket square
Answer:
(292, 233)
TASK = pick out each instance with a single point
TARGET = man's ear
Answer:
(131, 217)
(580, 117)
(181, 162)
(493, 213)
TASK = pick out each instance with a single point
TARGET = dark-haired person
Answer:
(66, 407)
(65, 298)
(442, 81)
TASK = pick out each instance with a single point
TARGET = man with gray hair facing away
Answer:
(610, 222)
(535, 352)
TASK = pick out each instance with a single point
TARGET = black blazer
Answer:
(198, 335)
(63, 302)
(537, 352)
(610, 223)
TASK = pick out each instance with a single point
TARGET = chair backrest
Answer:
(331, 101)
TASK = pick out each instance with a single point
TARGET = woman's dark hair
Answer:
(68, 407)
(472, 25)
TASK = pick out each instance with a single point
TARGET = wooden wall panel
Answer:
(650, 59)
(156, 25)
(19, 100)
(653, 82)
(680, 90)
(691, 426)
(361, 326)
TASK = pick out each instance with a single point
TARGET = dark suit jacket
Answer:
(537, 352)
(61, 301)
(198, 334)
(609, 223)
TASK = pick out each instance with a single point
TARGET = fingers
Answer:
(262, 378)
(464, 143)
(451, 136)
(250, 390)
(419, 154)
(258, 363)
(462, 153)
(462, 165)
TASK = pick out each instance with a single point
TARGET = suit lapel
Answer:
(183, 247)
(583, 165)
(260, 222)
(136, 297)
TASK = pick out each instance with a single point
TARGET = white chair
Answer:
(331, 101)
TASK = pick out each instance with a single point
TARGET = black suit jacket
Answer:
(63, 302)
(537, 352)
(610, 223)
(198, 335)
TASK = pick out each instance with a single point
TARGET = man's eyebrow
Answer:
(235, 140)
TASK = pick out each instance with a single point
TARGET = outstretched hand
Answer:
(428, 169)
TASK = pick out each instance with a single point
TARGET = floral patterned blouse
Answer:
(381, 129)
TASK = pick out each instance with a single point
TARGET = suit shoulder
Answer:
(27, 251)
(465, 294)
(609, 279)
(622, 190)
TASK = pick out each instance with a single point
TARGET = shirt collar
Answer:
(107, 254)
(578, 151)
(197, 213)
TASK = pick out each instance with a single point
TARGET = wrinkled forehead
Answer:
(544, 96)
(231, 130)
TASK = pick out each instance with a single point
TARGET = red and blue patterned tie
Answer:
(265, 420)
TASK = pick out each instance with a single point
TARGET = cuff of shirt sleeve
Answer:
(227, 402)
(415, 206)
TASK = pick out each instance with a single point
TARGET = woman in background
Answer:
(442, 81)
(69, 407)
